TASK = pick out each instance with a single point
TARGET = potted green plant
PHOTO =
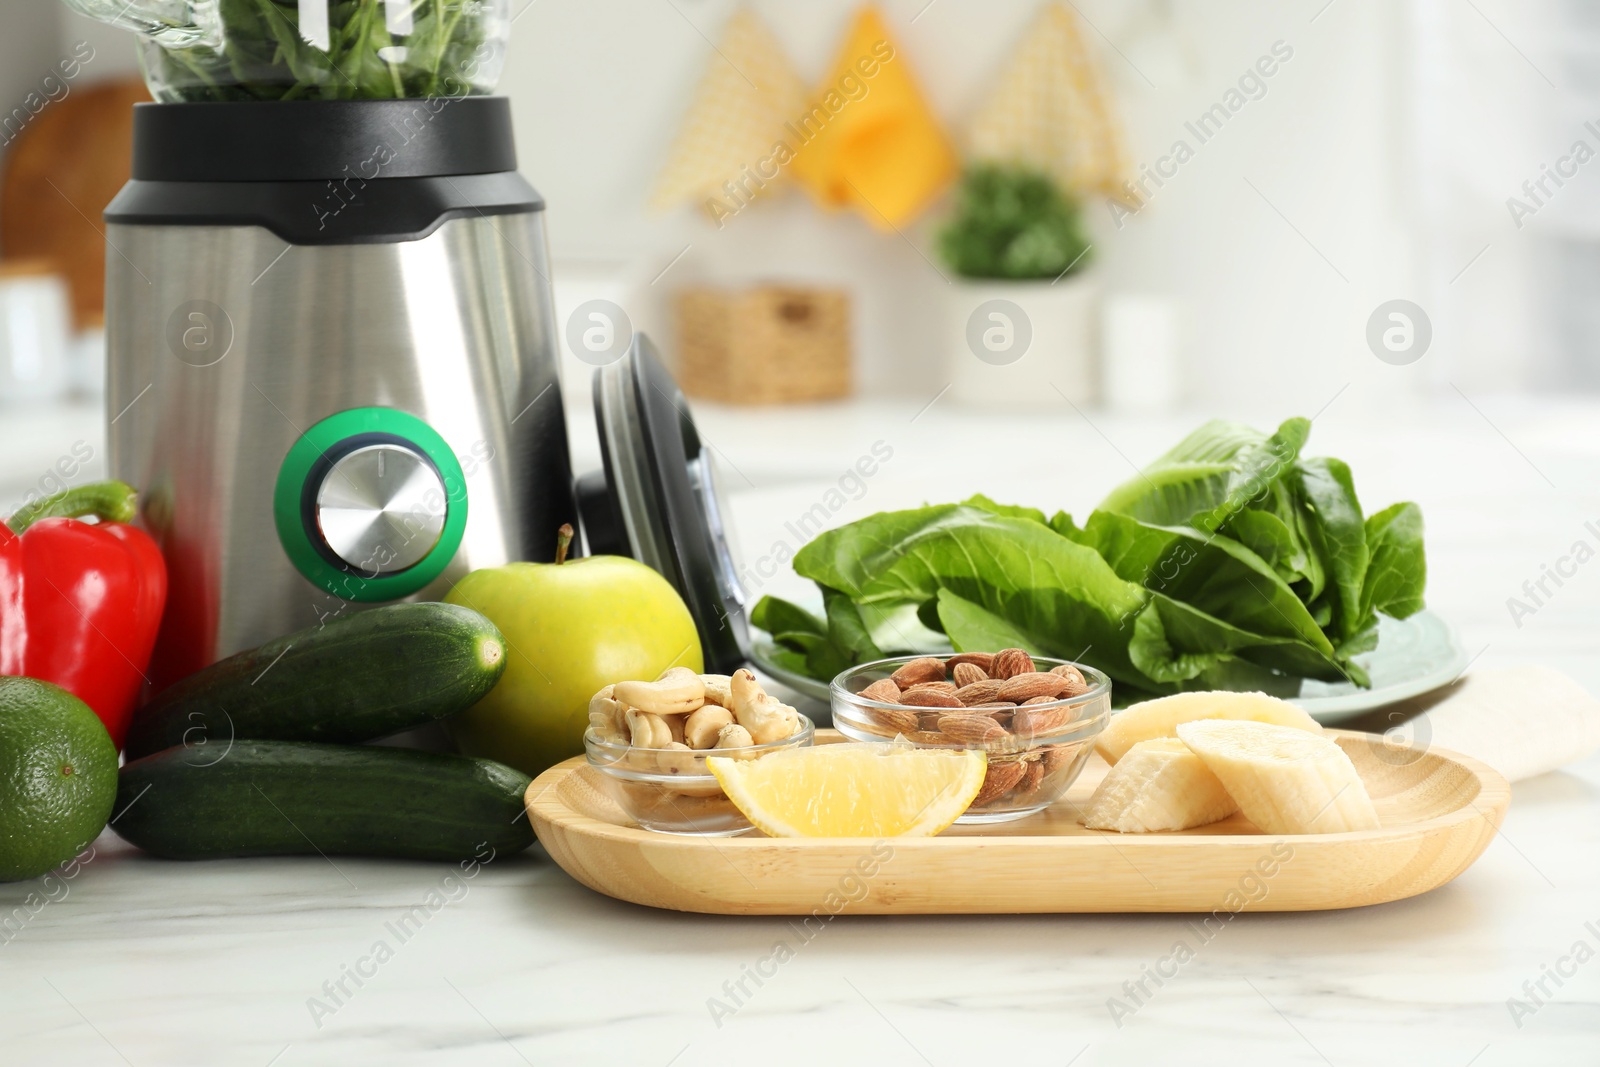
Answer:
(1022, 310)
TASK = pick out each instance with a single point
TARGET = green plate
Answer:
(1414, 656)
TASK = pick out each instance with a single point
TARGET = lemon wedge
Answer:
(852, 790)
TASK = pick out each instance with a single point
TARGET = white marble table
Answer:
(145, 962)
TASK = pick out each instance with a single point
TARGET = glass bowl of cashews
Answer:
(649, 742)
(1036, 718)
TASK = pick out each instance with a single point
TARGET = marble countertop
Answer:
(127, 959)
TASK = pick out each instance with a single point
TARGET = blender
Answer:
(333, 368)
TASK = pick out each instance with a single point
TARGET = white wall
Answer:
(601, 84)
(1275, 285)
(115, 54)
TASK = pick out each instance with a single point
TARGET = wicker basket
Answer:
(768, 345)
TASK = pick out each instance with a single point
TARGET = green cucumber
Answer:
(289, 798)
(360, 677)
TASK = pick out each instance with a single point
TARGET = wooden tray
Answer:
(1439, 811)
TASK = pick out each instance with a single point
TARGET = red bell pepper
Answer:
(80, 603)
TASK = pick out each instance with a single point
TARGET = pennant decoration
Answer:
(868, 140)
(729, 149)
(1052, 110)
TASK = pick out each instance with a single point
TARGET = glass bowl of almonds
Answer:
(649, 742)
(1035, 717)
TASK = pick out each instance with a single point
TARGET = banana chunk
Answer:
(1159, 785)
(1160, 717)
(1285, 780)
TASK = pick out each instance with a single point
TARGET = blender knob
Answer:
(381, 508)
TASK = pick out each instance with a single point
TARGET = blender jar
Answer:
(220, 50)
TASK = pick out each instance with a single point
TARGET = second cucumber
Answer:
(360, 677)
(293, 798)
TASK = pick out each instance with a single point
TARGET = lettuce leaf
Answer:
(1210, 476)
(1340, 539)
(1229, 563)
(777, 616)
(1398, 572)
(978, 500)
(1060, 593)
(1206, 571)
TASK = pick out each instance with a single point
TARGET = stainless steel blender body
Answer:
(415, 379)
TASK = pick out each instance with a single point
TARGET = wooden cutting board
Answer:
(1438, 810)
(59, 175)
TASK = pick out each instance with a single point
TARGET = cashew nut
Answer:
(677, 692)
(719, 689)
(669, 722)
(700, 729)
(646, 730)
(605, 717)
(675, 758)
(734, 736)
(767, 718)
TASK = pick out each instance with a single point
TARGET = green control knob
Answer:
(370, 504)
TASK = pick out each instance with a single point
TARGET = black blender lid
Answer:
(350, 141)
(402, 167)
(657, 499)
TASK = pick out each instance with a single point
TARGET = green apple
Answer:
(571, 628)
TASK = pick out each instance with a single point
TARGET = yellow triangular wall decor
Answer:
(724, 155)
(869, 141)
(1052, 110)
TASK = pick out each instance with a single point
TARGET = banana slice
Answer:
(1286, 781)
(1159, 785)
(1160, 717)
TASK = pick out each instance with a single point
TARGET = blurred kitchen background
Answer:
(1337, 156)
(1376, 164)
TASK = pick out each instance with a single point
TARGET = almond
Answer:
(883, 690)
(997, 782)
(1021, 687)
(1059, 756)
(1039, 700)
(928, 737)
(943, 687)
(971, 729)
(980, 660)
(892, 721)
(1040, 722)
(1077, 683)
(984, 692)
(1032, 775)
(1009, 662)
(998, 710)
(928, 697)
(1067, 670)
(965, 674)
(918, 671)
